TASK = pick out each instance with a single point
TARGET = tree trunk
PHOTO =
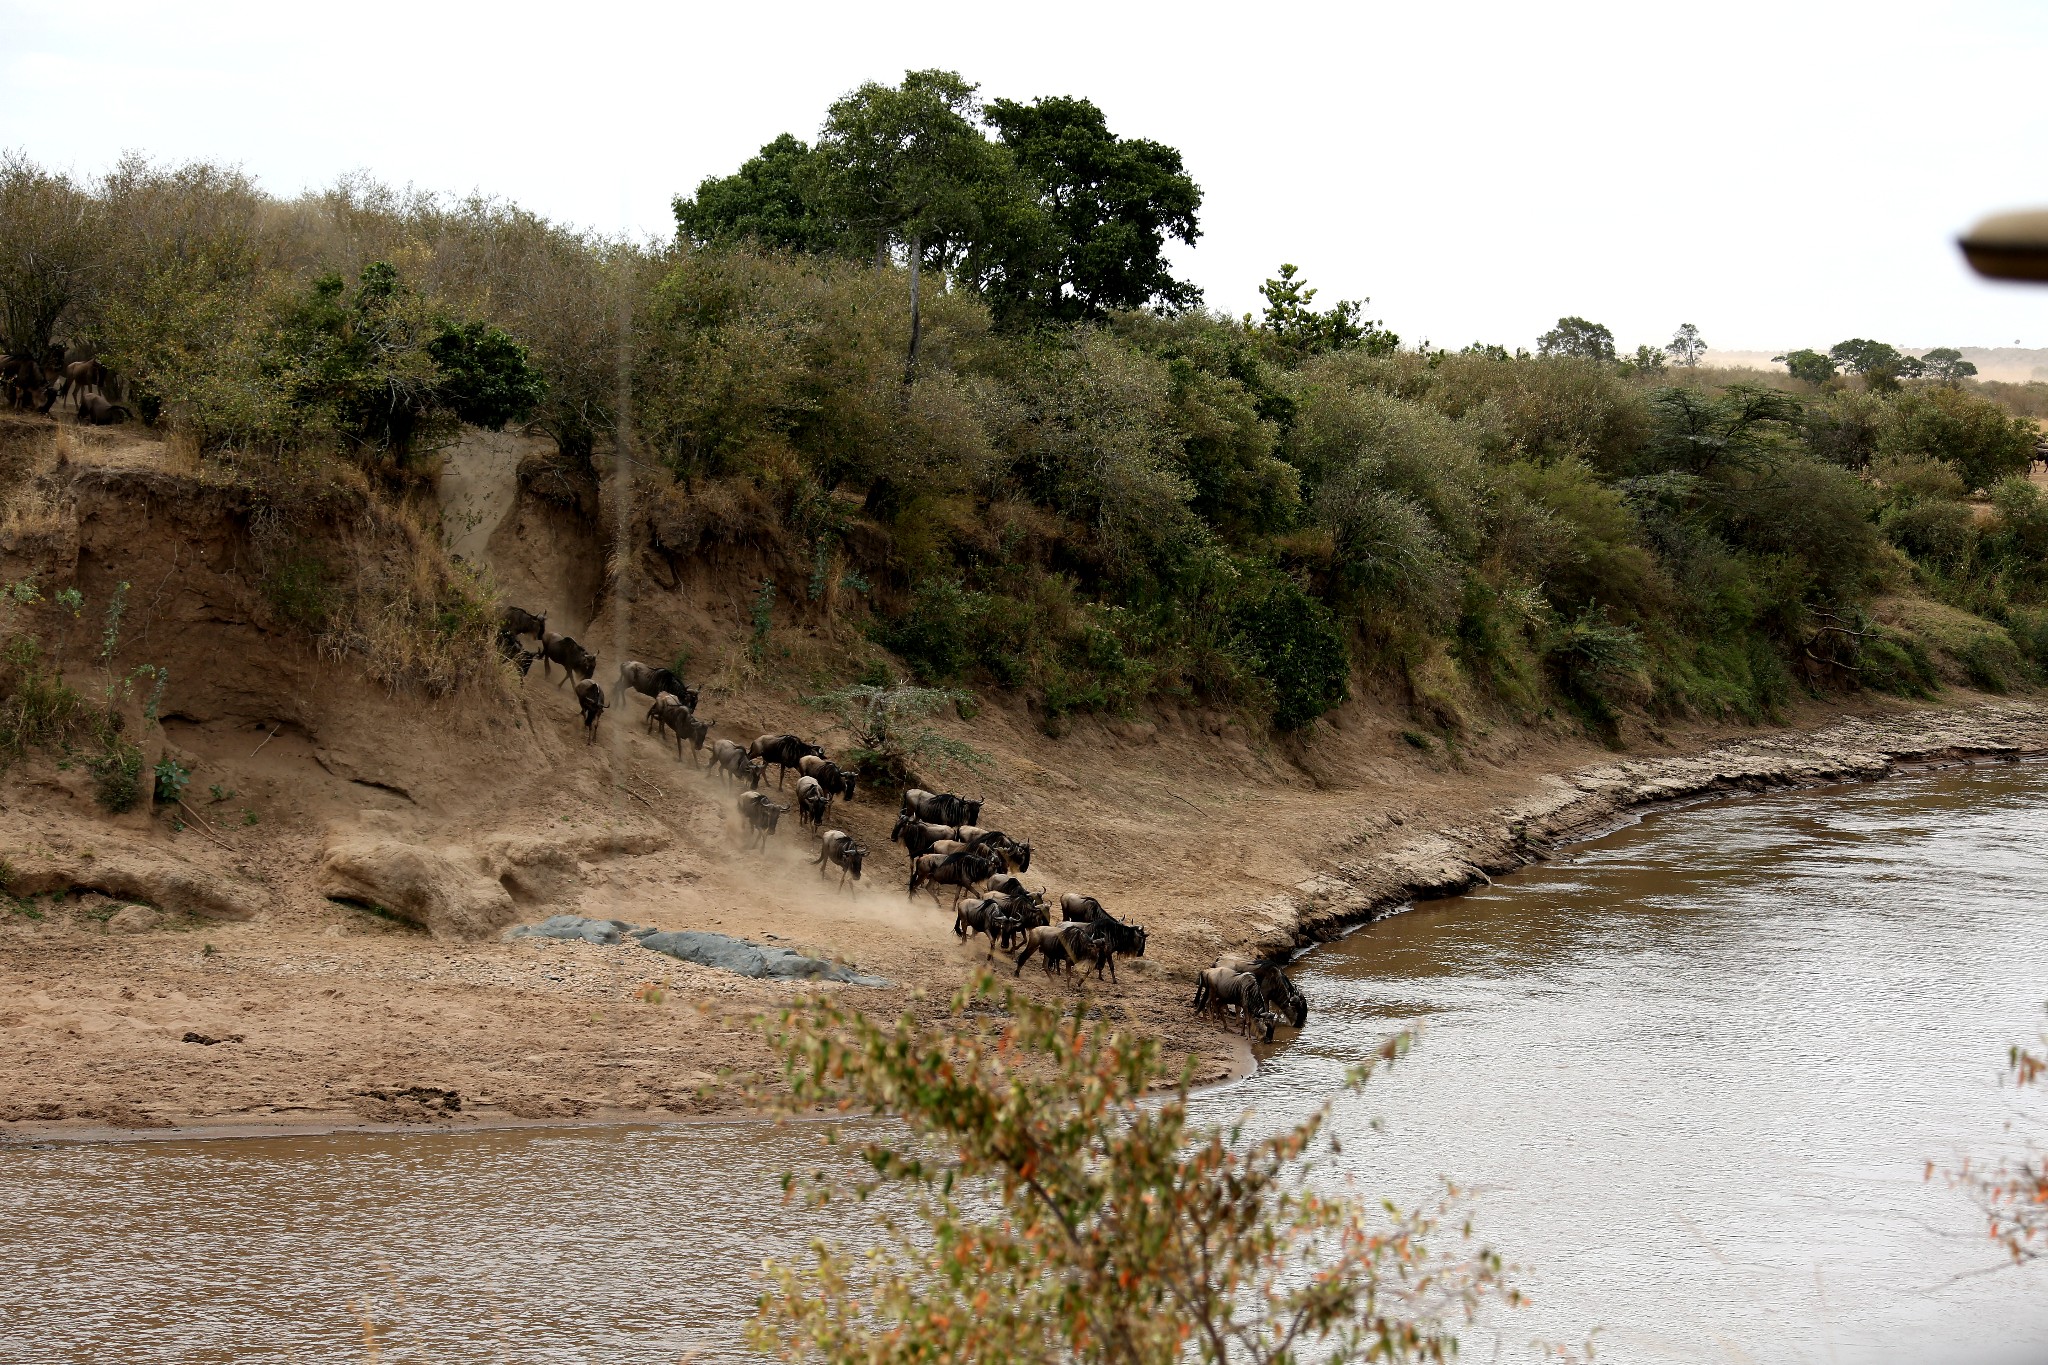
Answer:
(916, 324)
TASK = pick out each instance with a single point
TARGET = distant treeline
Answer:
(936, 359)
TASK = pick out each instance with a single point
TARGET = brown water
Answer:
(1696, 1068)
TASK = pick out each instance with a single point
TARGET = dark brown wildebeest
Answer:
(940, 808)
(1219, 988)
(574, 658)
(515, 653)
(989, 915)
(837, 781)
(962, 871)
(811, 802)
(699, 731)
(840, 850)
(669, 713)
(590, 697)
(784, 751)
(732, 762)
(1128, 939)
(1065, 946)
(1276, 985)
(649, 681)
(520, 621)
(761, 816)
(917, 836)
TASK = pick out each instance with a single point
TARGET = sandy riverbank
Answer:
(373, 1027)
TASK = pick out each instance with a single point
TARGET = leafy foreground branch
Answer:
(2013, 1194)
(1053, 1217)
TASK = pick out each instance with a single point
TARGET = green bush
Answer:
(1295, 645)
(1979, 437)
(1990, 661)
(117, 775)
(38, 710)
(1899, 665)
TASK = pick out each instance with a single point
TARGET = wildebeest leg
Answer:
(1024, 956)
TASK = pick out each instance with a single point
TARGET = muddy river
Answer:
(1694, 1069)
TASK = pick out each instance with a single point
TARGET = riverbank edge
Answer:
(1569, 807)
(1588, 802)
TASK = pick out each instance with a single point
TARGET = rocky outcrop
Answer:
(144, 875)
(441, 891)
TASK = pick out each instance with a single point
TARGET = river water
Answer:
(1694, 1068)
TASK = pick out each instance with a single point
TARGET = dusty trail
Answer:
(324, 1013)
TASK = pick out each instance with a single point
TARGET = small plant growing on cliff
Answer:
(891, 736)
(117, 776)
(171, 780)
(762, 615)
(1060, 1218)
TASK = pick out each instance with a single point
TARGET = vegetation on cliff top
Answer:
(935, 359)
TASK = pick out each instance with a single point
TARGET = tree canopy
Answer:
(1109, 205)
(1686, 345)
(1054, 219)
(1576, 336)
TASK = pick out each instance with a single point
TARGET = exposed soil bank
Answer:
(376, 1029)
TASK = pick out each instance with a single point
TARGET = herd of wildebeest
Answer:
(34, 384)
(941, 832)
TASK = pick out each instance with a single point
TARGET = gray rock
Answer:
(572, 927)
(749, 959)
(722, 951)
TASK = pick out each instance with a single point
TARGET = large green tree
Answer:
(1808, 366)
(769, 199)
(1879, 364)
(1576, 336)
(1109, 204)
(908, 167)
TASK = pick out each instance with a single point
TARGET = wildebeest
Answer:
(669, 713)
(574, 658)
(1219, 988)
(962, 871)
(760, 815)
(940, 808)
(991, 915)
(811, 802)
(515, 653)
(590, 697)
(81, 375)
(29, 383)
(518, 621)
(97, 411)
(650, 681)
(1276, 985)
(784, 751)
(1128, 939)
(699, 730)
(917, 836)
(1065, 946)
(732, 762)
(840, 850)
(837, 781)
(1016, 855)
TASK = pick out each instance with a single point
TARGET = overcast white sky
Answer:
(1781, 174)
